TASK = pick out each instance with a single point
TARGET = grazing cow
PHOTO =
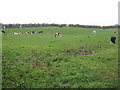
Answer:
(58, 34)
(94, 32)
(3, 32)
(29, 33)
(40, 32)
(112, 40)
(33, 32)
(19, 26)
(15, 33)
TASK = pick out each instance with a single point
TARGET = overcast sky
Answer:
(84, 12)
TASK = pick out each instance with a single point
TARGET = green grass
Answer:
(78, 59)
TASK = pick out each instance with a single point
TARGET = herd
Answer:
(58, 34)
(31, 32)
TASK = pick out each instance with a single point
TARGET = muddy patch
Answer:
(78, 52)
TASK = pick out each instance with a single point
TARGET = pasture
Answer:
(78, 59)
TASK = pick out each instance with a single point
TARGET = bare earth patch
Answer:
(78, 52)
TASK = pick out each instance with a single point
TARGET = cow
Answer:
(3, 32)
(15, 33)
(58, 34)
(19, 26)
(40, 32)
(3, 27)
(112, 39)
(29, 33)
(94, 32)
(33, 32)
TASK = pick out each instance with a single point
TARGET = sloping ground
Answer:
(72, 61)
(81, 71)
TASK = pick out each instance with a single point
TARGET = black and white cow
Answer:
(33, 32)
(19, 26)
(112, 39)
(58, 34)
(29, 33)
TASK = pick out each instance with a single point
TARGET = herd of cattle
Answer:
(58, 34)
(31, 32)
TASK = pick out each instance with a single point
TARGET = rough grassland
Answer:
(78, 59)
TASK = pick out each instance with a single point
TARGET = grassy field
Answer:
(78, 59)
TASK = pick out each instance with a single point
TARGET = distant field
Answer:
(78, 59)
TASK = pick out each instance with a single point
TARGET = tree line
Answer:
(57, 25)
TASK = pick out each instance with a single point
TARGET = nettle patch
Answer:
(80, 51)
